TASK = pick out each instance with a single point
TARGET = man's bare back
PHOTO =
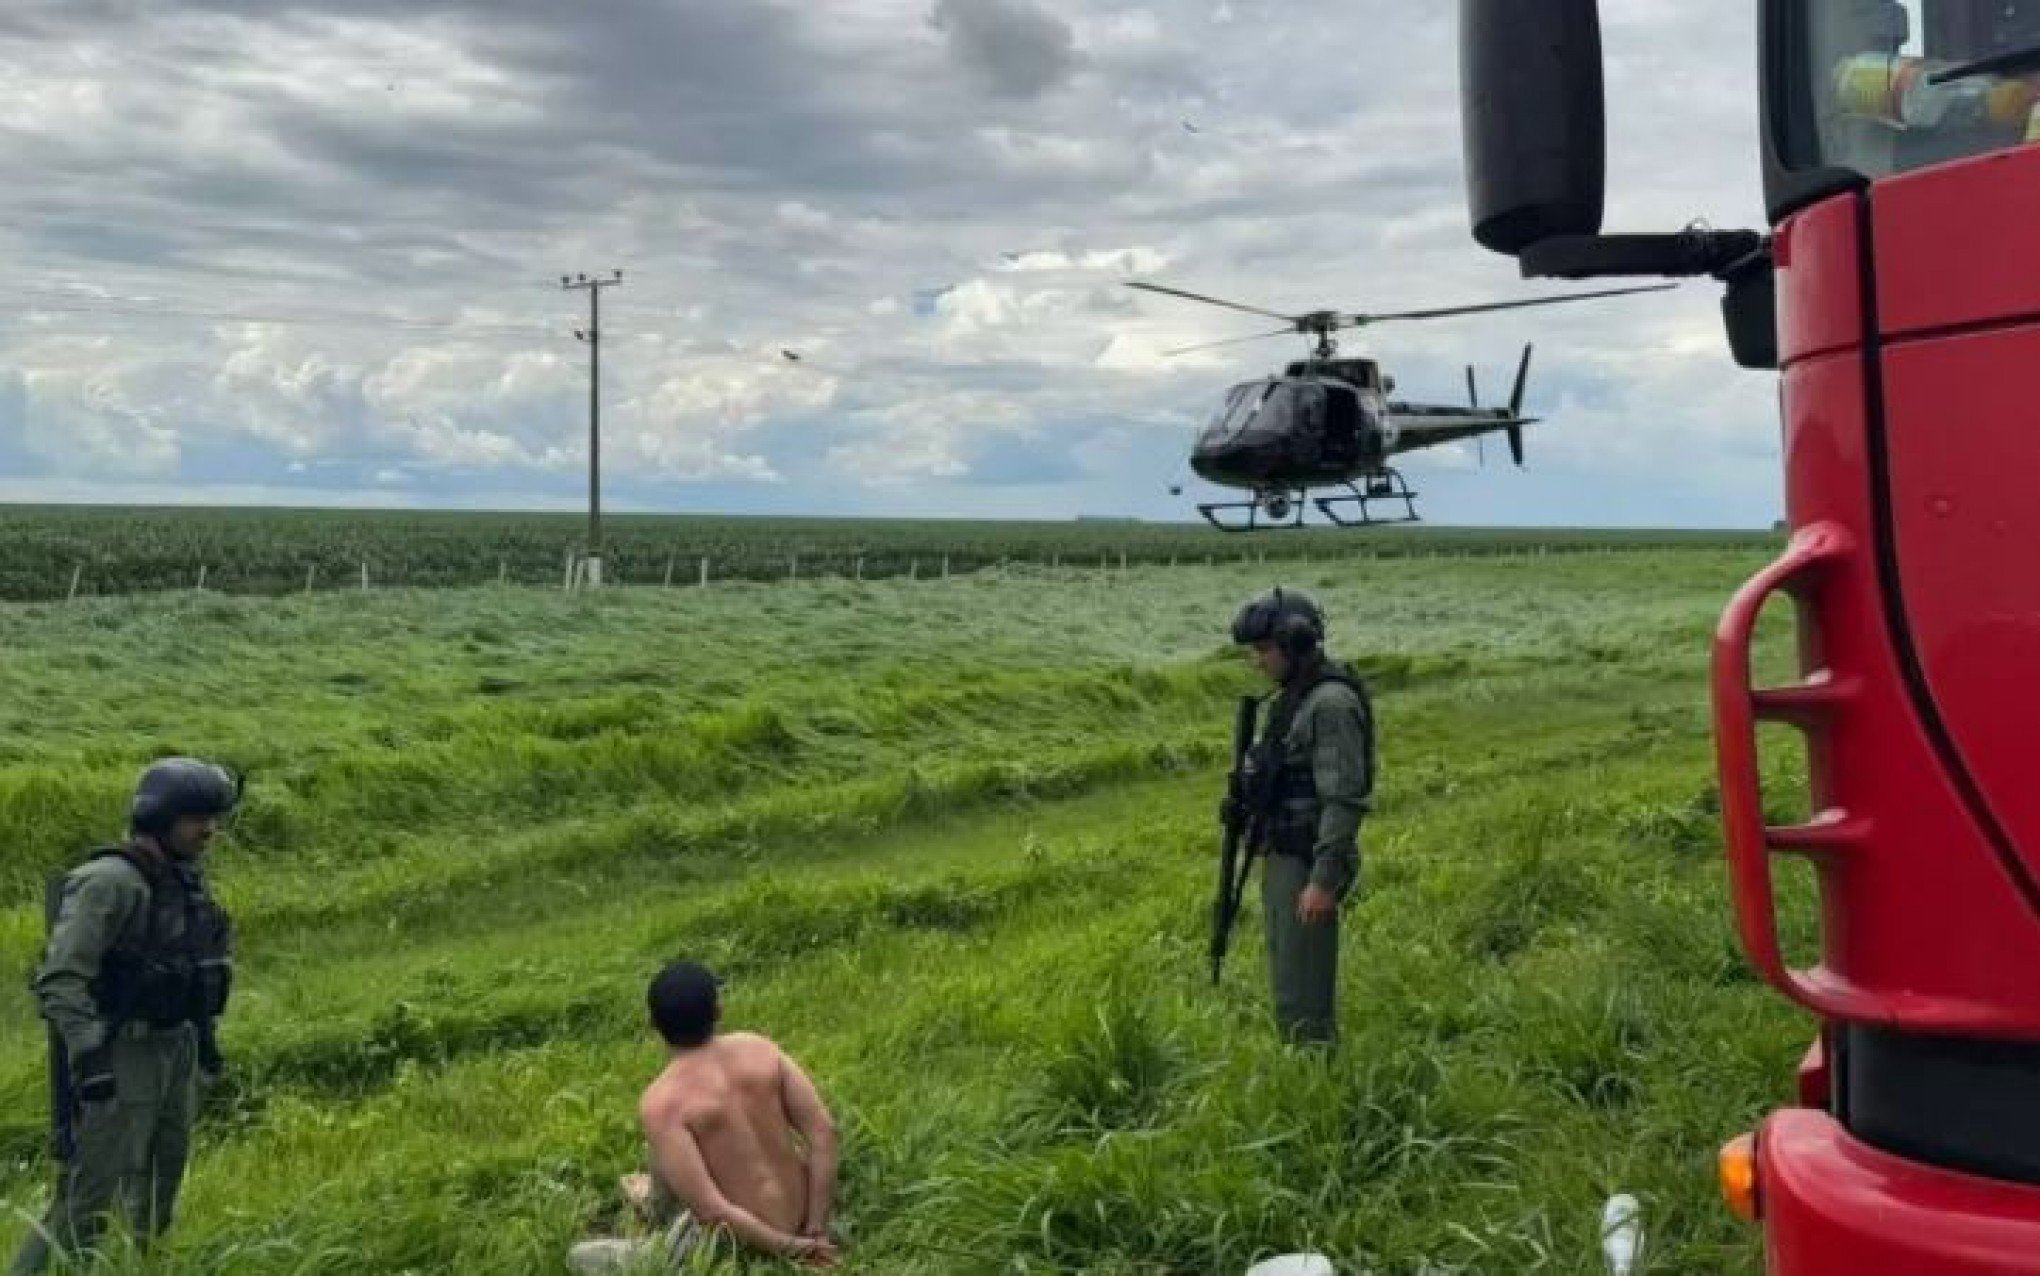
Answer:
(740, 1136)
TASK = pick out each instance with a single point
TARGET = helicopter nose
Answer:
(1228, 462)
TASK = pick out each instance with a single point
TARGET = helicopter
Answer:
(1328, 422)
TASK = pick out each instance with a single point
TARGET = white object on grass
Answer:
(1293, 1265)
(1621, 1233)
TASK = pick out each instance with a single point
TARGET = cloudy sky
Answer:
(308, 251)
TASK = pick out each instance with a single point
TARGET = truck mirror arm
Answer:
(1686, 253)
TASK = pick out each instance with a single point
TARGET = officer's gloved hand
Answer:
(92, 1075)
(210, 1061)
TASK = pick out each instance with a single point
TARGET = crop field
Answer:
(103, 551)
(952, 842)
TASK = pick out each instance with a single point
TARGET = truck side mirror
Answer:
(1533, 119)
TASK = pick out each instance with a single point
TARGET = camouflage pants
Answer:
(1303, 961)
(131, 1150)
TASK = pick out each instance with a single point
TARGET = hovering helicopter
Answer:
(1327, 422)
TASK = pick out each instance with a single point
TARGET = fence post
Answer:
(793, 567)
(670, 560)
(311, 574)
(364, 575)
(945, 567)
(860, 567)
(913, 569)
(201, 575)
(567, 576)
(77, 575)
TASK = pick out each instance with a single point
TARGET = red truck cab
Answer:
(1896, 293)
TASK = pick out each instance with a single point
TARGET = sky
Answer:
(309, 252)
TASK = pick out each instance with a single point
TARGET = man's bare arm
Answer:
(681, 1167)
(809, 1117)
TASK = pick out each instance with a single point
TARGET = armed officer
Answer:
(135, 975)
(1313, 782)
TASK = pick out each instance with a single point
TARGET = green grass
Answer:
(952, 842)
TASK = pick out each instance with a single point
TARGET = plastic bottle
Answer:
(1621, 1234)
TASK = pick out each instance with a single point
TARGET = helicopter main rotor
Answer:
(1322, 324)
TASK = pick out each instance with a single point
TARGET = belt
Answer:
(143, 1030)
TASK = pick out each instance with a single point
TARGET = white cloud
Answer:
(937, 204)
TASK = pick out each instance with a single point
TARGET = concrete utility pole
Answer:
(593, 336)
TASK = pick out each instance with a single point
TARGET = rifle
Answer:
(63, 1103)
(1240, 815)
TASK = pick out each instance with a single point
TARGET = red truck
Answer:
(1896, 292)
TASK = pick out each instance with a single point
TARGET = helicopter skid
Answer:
(1387, 486)
(1260, 517)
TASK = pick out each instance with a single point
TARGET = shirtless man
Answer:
(738, 1136)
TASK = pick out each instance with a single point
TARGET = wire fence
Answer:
(688, 568)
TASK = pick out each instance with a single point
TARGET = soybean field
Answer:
(952, 842)
(61, 552)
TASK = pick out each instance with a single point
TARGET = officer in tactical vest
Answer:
(1314, 780)
(135, 975)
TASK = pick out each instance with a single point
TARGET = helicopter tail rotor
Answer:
(1515, 432)
(1473, 401)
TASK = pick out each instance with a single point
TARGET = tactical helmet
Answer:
(173, 788)
(1286, 618)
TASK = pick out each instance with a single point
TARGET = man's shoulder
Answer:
(108, 874)
(661, 1099)
(1332, 694)
(749, 1042)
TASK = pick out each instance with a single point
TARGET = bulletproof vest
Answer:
(1289, 804)
(183, 969)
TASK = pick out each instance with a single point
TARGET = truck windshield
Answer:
(1897, 86)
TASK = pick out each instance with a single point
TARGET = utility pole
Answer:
(593, 336)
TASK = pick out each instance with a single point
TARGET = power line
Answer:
(132, 310)
(593, 336)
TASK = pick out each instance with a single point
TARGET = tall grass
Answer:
(952, 845)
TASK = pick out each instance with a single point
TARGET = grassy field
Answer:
(108, 551)
(952, 842)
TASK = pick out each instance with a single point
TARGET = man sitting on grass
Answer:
(740, 1141)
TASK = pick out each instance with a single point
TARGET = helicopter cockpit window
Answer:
(1292, 410)
(1242, 404)
(1898, 86)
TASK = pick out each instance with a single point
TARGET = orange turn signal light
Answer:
(1739, 1176)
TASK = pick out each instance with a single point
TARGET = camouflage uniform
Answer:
(135, 970)
(1314, 839)
(1315, 781)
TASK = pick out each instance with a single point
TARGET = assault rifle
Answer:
(1240, 815)
(63, 1103)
